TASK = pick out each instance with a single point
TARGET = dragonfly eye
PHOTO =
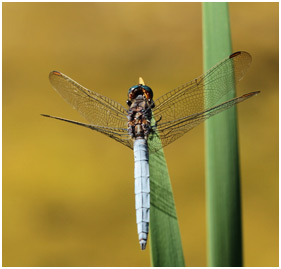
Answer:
(133, 88)
(140, 90)
(148, 91)
(132, 93)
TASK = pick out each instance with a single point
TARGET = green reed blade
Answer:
(165, 241)
(222, 157)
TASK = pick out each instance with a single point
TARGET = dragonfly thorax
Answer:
(139, 117)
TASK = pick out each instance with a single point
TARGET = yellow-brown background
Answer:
(68, 195)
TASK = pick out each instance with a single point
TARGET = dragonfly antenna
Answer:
(141, 81)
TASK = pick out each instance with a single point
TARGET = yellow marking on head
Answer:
(141, 81)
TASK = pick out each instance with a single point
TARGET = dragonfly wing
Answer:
(168, 132)
(95, 108)
(191, 98)
(119, 134)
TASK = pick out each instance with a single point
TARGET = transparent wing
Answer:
(95, 108)
(168, 132)
(119, 134)
(194, 102)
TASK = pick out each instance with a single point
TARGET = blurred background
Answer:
(68, 192)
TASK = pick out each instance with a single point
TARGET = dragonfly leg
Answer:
(131, 129)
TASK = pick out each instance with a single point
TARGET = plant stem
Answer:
(222, 156)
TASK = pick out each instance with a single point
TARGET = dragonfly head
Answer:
(137, 90)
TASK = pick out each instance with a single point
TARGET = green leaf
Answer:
(165, 241)
(222, 156)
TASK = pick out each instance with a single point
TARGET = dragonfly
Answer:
(147, 126)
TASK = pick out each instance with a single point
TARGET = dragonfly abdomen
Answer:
(142, 189)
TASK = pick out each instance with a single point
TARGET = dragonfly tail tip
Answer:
(142, 244)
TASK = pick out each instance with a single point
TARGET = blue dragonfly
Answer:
(147, 125)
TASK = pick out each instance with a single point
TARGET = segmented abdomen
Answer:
(142, 189)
